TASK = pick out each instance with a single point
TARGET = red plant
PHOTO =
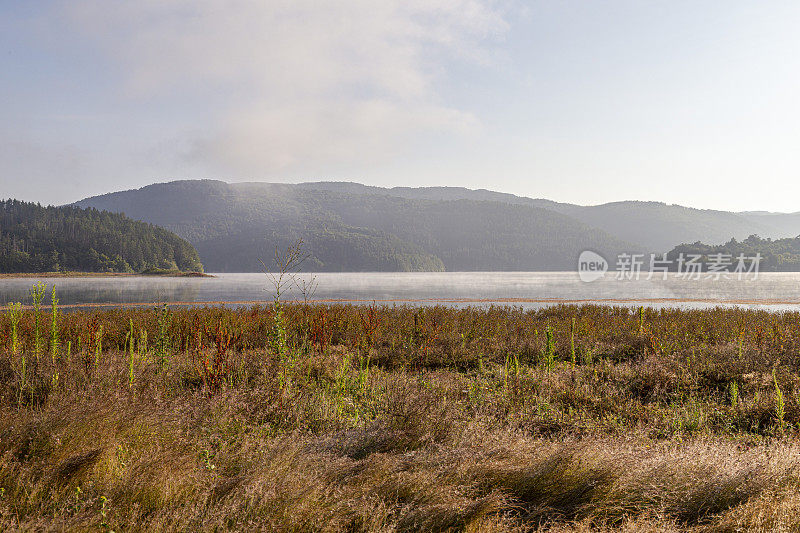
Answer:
(321, 332)
(370, 323)
(214, 365)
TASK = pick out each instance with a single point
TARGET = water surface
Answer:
(527, 289)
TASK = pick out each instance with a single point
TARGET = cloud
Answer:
(299, 84)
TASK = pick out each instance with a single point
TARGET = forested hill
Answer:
(34, 238)
(653, 226)
(234, 225)
(779, 255)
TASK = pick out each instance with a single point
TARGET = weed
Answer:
(572, 342)
(130, 338)
(780, 407)
(641, 320)
(14, 314)
(734, 392)
(23, 380)
(363, 371)
(207, 458)
(163, 341)
(104, 515)
(587, 356)
(741, 346)
(550, 349)
(215, 369)
(98, 346)
(37, 295)
(54, 337)
(141, 346)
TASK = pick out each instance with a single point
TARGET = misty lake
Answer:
(774, 291)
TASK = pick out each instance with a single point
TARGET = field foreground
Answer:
(368, 418)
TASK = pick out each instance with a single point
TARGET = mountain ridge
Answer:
(407, 228)
(240, 220)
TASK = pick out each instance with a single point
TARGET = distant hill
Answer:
(653, 226)
(44, 239)
(350, 226)
(783, 224)
(353, 227)
(658, 226)
(435, 193)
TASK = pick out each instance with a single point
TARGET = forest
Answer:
(34, 238)
(234, 225)
(779, 255)
(354, 227)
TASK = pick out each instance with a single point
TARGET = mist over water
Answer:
(527, 289)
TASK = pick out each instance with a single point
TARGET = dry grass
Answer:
(396, 419)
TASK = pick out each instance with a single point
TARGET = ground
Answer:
(370, 418)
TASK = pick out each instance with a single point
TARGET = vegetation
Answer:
(781, 255)
(349, 226)
(650, 226)
(52, 239)
(329, 417)
(232, 225)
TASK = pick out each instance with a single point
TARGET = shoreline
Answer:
(27, 275)
(434, 301)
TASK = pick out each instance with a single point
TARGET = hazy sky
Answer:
(693, 102)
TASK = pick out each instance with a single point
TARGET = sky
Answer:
(688, 102)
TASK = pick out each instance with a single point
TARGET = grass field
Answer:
(376, 418)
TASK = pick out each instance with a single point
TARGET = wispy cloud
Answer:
(296, 85)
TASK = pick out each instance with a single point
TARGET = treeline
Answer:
(780, 255)
(34, 238)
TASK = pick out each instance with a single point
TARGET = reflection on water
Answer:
(88, 290)
(528, 289)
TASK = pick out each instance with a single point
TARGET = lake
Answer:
(775, 291)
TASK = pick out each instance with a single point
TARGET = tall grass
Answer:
(14, 314)
(37, 295)
(163, 343)
(54, 334)
(385, 418)
(780, 404)
(129, 341)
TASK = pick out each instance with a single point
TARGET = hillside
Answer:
(653, 226)
(235, 225)
(478, 235)
(350, 226)
(46, 239)
(785, 224)
(658, 226)
(435, 193)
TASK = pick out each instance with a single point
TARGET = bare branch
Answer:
(287, 264)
